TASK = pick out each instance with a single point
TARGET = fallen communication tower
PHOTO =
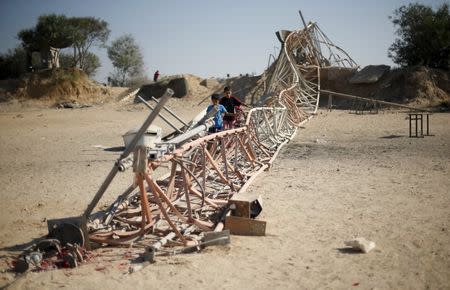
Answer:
(205, 171)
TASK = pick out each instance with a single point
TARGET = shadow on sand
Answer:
(392, 136)
(115, 149)
(349, 251)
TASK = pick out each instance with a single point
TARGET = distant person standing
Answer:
(156, 76)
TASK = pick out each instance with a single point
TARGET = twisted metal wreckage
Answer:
(205, 171)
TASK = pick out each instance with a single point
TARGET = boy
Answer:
(218, 117)
(232, 105)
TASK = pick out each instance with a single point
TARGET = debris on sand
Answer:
(71, 105)
(361, 244)
(50, 254)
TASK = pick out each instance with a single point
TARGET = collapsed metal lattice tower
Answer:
(205, 171)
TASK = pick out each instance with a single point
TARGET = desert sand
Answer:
(342, 176)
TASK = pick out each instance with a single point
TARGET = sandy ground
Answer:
(343, 175)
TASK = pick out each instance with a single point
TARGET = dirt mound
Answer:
(369, 74)
(184, 86)
(194, 87)
(55, 86)
(210, 83)
(418, 86)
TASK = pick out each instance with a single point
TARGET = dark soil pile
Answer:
(417, 86)
(178, 84)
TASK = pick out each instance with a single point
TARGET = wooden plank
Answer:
(245, 226)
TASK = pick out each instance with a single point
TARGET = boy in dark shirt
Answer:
(232, 105)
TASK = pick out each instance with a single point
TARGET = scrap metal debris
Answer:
(71, 105)
(50, 254)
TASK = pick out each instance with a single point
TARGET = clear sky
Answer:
(211, 38)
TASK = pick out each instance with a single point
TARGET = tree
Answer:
(126, 58)
(90, 64)
(86, 32)
(424, 36)
(51, 33)
(66, 60)
(54, 32)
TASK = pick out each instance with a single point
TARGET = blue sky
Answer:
(211, 38)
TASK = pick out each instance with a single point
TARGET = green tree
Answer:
(126, 58)
(51, 33)
(423, 36)
(54, 32)
(86, 32)
(90, 63)
(66, 60)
